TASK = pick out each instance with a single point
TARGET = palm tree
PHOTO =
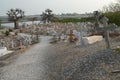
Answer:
(15, 15)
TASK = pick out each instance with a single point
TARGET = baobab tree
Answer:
(47, 16)
(43, 17)
(15, 15)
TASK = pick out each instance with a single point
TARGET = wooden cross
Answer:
(107, 27)
(81, 35)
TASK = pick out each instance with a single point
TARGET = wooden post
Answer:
(105, 29)
(81, 36)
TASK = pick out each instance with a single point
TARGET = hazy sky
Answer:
(58, 6)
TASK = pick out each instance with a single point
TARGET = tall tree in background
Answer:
(113, 7)
(112, 12)
(15, 15)
(47, 16)
(43, 17)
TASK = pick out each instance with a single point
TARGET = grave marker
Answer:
(81, 36)
(107, 27)
(12, 44)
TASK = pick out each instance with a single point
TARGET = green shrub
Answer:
(7, 33)
(74, 20)
(114, 17)
(117, 50)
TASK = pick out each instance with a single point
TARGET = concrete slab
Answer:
(92, 39)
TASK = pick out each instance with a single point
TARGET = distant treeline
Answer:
(74, 20)
(114, 17)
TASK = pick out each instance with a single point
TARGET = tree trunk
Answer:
(16, 26)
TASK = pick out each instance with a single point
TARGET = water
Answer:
(20, 23)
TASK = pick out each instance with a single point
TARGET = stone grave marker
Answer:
(62, 37)
(26, 42)
(81, 34)
(7, 42)
(77, 36)
(30, 40)
(21, 44)
(86, 40)
(12, 44)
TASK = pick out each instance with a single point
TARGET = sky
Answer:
(32, 7)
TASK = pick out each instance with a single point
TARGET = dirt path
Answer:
(27, 66)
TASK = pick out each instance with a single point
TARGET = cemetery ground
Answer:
(63, 61)
(66, 58)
